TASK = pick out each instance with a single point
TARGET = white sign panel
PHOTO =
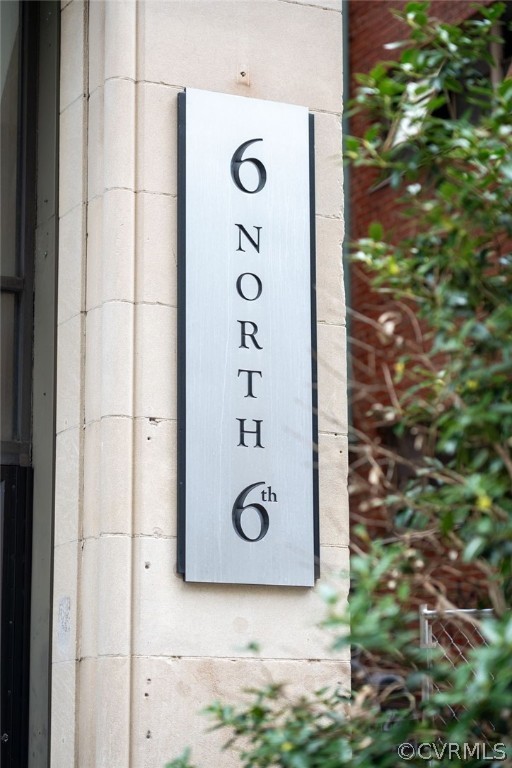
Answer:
(247, 485)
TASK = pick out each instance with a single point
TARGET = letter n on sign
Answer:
(247, 432)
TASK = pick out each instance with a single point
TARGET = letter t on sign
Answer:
(249, 380)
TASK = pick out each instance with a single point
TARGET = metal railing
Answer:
(455, 632)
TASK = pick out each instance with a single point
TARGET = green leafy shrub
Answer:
(441, 135)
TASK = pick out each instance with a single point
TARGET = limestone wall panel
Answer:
(146, 651)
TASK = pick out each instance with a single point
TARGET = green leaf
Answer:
(375, 231)
(474, 548)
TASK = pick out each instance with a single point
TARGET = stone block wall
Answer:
(137, 653)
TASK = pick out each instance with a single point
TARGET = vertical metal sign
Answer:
(247, 480)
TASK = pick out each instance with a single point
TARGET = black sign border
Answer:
(181, 348)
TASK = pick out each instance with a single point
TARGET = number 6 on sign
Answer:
(239, 508)
(237, 162)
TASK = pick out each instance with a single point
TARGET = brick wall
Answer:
(371, 26)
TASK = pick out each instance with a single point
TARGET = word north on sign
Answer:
(247, 479)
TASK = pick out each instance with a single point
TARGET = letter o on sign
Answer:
(256, 288)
